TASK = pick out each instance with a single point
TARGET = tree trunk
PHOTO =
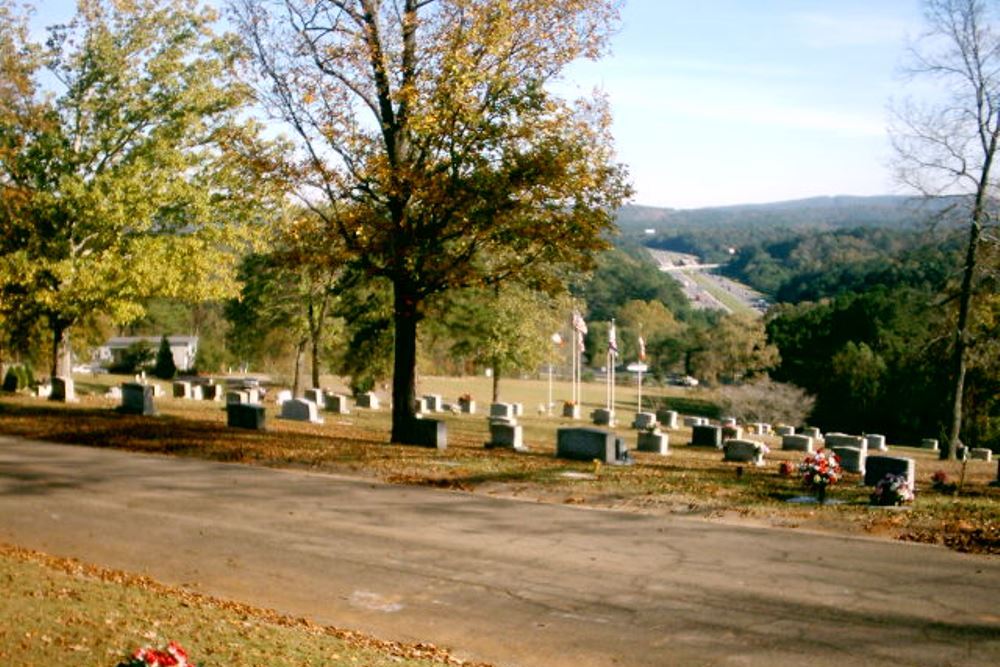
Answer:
(404, 363)
(496, 380)
(961, 335)
(314, 361)
(300, 350)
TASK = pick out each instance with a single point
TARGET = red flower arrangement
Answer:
(172, 656)
(819, 471)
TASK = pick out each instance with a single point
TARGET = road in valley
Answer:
(706, 289)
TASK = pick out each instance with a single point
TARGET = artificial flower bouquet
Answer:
(172, 656)
(892, 490)
(820, 470)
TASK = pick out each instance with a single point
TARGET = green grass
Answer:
(60, 612)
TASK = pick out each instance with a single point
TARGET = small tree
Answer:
(165, 368)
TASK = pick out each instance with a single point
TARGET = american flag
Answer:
(612, 339)
(578, 324)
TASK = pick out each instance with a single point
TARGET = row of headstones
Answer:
(430, 403)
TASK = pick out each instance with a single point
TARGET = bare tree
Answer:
(948, 147)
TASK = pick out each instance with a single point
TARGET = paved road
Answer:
(509, 582)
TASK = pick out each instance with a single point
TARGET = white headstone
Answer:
(299, 409)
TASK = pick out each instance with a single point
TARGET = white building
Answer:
(184, 348)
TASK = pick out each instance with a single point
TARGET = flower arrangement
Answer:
(172, 656)
(786, 468)
(939, 479)
(465, 398)
(892, 490)
(820, 470)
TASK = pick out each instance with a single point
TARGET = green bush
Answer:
(17, 378)
(165, 368)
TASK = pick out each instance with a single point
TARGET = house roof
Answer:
(173, 341)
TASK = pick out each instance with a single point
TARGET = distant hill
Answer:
(821, 213)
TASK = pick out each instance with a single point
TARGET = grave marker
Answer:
(877, 467)
(797, 443)
(744, 451)
(63, 390)
(245, 415)
(301, 410)
(589, 444)
(653, 441)
(137, 399)
(667, 418)
(706, 436)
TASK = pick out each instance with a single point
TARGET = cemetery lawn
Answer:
(54, 608)
(690, 481)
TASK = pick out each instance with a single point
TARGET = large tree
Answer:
(125, 170)
(430, 138)
(949, 146)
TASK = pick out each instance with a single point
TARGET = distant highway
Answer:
(707, 290)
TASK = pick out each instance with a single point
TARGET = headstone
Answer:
(63, 390)
(729, 422)
(644, 420)
(732, 433)
(603, 417)
(137, 399)
(158, 390)
(301, 410)
(961, 452)
(797, 443)
(507, 436)
(466, 406)
(812, 432)
(428, 433)
(876, 442)
(877, 467)
(844, 440)
(420, 406)
(980, 454)
(283, 397)
(367, 400)
(44, 390)
(317, 396)
(114, 393)
(237, 397)
(571, 410)
(338, 403)
(784, 430)
(929, 443)
(182, 389)
(996, 482)
(852, 459)
(706, 436)
(653, 441)
(518, 409)
(667, 418)
(589, 444)
(245, 415)
(212, 392)
(760, 428)
(434, 403)
(197, 392)
(502, 410)
(695, 421)
(744, 451)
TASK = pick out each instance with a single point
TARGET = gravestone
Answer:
(245, 415)
(283, 396)
(317, 396)
(505, 410)
(644, 420)
(433, 403)
(852, 459)
(929, 443)
(797, 443)
(338, 404)
(996, 482)
(877, 467)
(706, 436)
(667, 418)
(571, 410)
(467, 406)
(603, 417)
(834, 440)
(212, 392)
(63, 390)
(784, 430)
(428, 433)
(518, 409)
(812, 432)
(158, 390)
(114, 393)
(508, 436)
(137, 399)
(197, 392)
(732, 432)
(43, 390)
(653, 441)
(695, 421)
(301, 410)
(876, 442)
(980, 454)
(729, 422)
(589, 444)
(367, 400)
(743, 451)
(961, 452)
(182, 389)
(237, 397)
(760, 428)
(420, 406)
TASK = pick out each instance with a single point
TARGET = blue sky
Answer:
(738, 101)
